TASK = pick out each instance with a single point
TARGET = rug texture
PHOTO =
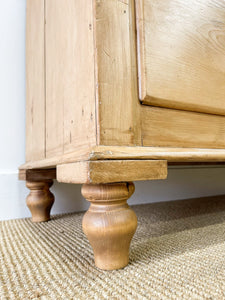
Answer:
(178, 252)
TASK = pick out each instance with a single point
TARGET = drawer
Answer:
(164, 127)
(181, 54)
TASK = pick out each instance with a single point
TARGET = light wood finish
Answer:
(181, 54)
(92, 97)
(40, 200)
(84, 117)
(170, 154)
(109, 224)
(37, 174)
(70, 82)
(81, 154)
(35, 81)
(159, 153)
(173, 128)
(140, 27)
(112, 171)
(117, 94)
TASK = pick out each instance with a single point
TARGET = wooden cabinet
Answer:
(89, 63)
(181, 54)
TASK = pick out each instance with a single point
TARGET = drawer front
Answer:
(163, 127)
(181, 54)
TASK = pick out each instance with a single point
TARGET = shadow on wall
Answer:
(182, 183)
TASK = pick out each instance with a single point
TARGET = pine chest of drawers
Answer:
(116, 91)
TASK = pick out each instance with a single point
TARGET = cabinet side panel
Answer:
(35, 81)
(70, 81)
(117, 73)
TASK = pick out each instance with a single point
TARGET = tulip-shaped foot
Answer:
(109, 224)
(40, 200)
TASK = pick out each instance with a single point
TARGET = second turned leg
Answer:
(40, 200)
(109, 224)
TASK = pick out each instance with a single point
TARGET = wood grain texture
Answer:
(40, 200)
(117, 94)
(95, 40)
(109, 224)
(111, 171)
(173, 128)
(181, 50)
(70, 76)
(37, 174)
(171, 154)
(80, 154)
(35, 81)
(140, 26)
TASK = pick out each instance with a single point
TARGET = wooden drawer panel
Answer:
(163, 127)
(181, 54)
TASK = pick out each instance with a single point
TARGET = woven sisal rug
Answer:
(178, 252)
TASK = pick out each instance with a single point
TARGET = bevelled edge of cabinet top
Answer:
(165, 153)
(172, 155)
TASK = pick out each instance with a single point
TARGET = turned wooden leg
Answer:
(40, 200)
(109, 224)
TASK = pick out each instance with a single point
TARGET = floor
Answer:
(178, 252)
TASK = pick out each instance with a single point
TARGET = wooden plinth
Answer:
(109, 224)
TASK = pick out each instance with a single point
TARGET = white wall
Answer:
(181, 183)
